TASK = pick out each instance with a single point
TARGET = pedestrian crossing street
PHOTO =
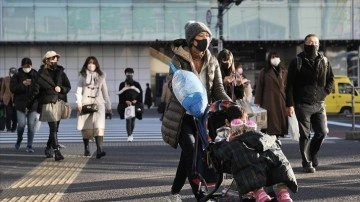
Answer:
(147, 129)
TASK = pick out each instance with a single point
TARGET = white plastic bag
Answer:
(37, 123)
(129, 112)
(189, 91)
(293, 129)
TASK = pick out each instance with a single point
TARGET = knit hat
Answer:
(194, 28)
(50, 54)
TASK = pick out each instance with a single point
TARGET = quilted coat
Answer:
(256, 161)
(174, 112)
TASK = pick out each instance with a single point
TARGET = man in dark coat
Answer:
(130, 93)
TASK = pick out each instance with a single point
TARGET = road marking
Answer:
(342, 124)
(47, 181)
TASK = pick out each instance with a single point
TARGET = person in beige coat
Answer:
(91, 89)
(7, 97)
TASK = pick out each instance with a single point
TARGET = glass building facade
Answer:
(120, 32)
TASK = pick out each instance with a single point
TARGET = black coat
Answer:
(22, 92)
(130, 95)
(44, 87)
(255, 161)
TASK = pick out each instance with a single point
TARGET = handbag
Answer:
(129, 112)
(89, 108)
(65, 109)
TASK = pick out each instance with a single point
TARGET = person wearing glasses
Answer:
(307, 86)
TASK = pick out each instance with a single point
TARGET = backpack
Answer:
(299, 62)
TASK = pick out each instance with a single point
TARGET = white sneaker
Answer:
(174, 198)
(130, 138)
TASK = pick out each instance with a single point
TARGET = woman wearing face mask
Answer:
(130, 93)
(178, 127)
(51, 85)
(227, 67)
(92, 89)
(20, 85)
(270, 95)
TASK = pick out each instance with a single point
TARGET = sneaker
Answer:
(309, 169)
(283, 196)
(62, 146)
(130, 138)
(17, 146)
(29, 150)
(262, 196)
(174, 198)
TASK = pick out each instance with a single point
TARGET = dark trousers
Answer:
(11, 120)
(53, 137)
(130, 125)
(187, 144)
(311, 116)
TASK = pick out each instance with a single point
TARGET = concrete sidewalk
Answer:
(144, 171)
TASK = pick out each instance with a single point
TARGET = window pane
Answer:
(148, 22)
(176, 16)
(18, 24)
(116, 23)
(50, 24)
(84, 24)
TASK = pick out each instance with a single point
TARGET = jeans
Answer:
(187, 144)
(311, 116)
(130, 125)
(22, 120)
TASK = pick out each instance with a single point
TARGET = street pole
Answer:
(220, 24)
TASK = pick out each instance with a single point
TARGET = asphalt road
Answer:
(144, 171)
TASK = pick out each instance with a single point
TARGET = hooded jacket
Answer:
(174, 112)
(255, 160)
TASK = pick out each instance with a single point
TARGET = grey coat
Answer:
(174, 112)
(85, 95)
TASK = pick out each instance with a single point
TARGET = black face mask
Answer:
(129, 79)
(202, 45)
(311, 51)
(53, 65)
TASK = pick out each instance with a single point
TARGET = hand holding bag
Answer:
(65, 109)
(89, 108)
(129, 112)
(293, 129)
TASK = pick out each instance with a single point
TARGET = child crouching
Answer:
(256, 159)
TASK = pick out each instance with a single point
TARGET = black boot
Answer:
(48, 152)
(58, 155)
(99, 152)
(86, 147)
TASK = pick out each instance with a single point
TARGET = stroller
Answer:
(207, 170)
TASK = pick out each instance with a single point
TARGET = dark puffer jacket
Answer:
(174, 112)
(44, 87)
(22, 92)
(256, 161)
